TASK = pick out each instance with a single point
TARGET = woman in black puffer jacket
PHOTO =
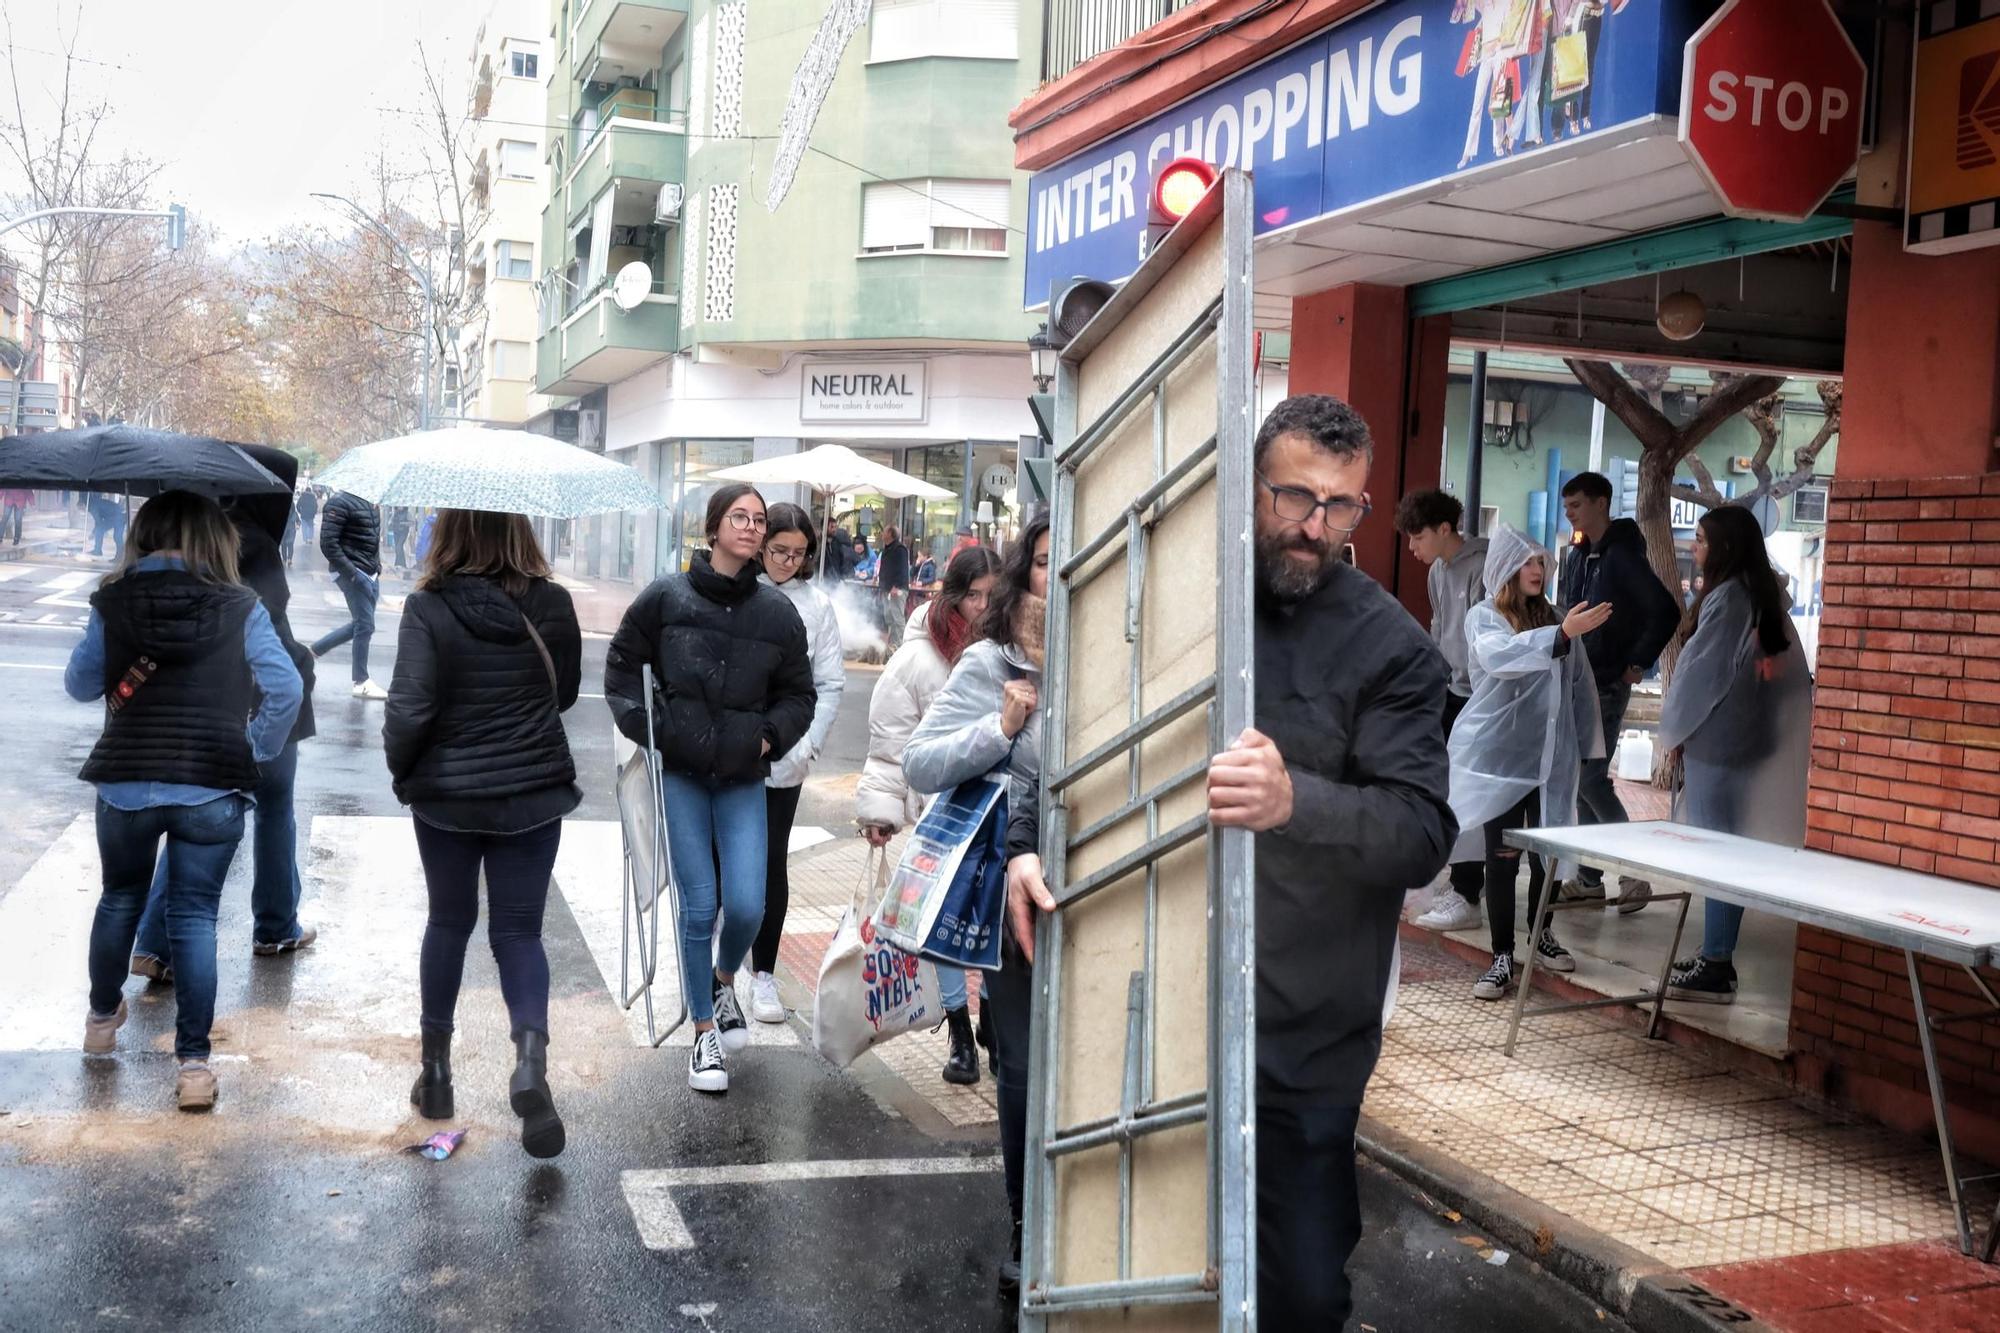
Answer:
(733, 689)
(488, 659)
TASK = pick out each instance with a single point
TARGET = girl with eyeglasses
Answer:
(788, 566)
(733, 689)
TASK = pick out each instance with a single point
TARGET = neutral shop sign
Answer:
(882, 392)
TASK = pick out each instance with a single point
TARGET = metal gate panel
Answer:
(1133, 1203)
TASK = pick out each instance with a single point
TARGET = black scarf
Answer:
(703, 577)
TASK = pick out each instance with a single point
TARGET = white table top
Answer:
(1942, 918)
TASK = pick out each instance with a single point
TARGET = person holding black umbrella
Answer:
(181, 653)
(276, 888)
(350, 537)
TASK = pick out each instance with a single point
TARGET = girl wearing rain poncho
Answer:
(1519, 745)
(1739, 711)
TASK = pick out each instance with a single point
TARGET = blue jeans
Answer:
(709, 827)
(201, 842)
(951, 985)
(360, 626)
(1721, 924)
(275, 892)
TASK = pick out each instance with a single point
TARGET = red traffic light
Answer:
(1180, 186)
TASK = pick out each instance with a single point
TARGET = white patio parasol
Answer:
(478, 467)
(833, 469)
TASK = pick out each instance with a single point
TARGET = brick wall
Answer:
(1906, 760)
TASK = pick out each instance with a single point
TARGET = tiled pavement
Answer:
(823, 883)
(1805, 1217)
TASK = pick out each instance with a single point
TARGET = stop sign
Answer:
(1771, 106)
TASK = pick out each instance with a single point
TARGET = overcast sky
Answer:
(249, 104)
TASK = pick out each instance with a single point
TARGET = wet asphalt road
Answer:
(291, 1206)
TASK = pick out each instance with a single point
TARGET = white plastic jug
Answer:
(1634, 760)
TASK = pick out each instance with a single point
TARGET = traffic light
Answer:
(1177, 188)
(1073, 302)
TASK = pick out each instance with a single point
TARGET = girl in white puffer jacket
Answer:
(789, 544)
(937, 633)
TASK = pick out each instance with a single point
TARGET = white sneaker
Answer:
(368, 689)
(731, 1030)
(765, 1006)
(1633, 894)
(707, 1070)
(1452, 912)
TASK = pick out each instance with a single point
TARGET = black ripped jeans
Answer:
(1503, 866)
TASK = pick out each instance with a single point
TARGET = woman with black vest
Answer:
(488, 659)
(198, 692)
(733, 690)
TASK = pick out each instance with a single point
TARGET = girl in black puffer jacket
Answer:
(488, 659)
(734, 689)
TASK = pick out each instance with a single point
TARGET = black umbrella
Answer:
(129, 460)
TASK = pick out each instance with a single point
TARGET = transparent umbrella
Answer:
(478, 467)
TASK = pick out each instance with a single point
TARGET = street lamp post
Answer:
(423, 278)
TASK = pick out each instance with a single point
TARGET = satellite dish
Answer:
(632, 284)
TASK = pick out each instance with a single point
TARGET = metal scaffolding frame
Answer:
(1226, 1106)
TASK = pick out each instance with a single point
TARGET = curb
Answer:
(1652, 1296)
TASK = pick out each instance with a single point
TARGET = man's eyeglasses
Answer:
(785, 555)
(743, 520)
(1298, 506)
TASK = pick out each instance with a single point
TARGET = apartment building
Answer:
(505, 185)
(774, 226)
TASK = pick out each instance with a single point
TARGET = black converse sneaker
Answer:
(729, 1024)
(1499, 979)
(707, 1071)
(1551, 955)
(1703, 980)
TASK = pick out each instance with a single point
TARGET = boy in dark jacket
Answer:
(1610, 565)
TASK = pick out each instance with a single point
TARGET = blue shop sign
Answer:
(1407, 95)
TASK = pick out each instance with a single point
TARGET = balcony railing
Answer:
(1074, 31)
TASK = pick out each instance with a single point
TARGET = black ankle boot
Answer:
(1010, 1271)
(432, 1093)
(541, 1128)
(963, 1067)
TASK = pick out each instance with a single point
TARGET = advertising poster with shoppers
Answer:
(1411, 93)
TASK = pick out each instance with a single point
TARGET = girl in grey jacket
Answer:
(989, 717)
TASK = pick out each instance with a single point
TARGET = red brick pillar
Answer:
(1906, 771)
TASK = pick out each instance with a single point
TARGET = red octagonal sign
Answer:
(1771, 106)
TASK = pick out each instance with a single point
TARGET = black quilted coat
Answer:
(350, 535)
(471, 713)
(730, 669)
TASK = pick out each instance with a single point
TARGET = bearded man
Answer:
(1344, 779)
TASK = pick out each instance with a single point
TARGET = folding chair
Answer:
(649, 885)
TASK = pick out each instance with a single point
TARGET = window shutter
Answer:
(901, 29)
(980, 29)
(981, 204)
(894, 215)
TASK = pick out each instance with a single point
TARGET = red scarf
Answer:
(951, 636)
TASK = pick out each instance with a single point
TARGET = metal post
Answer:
(1939, 1108)
(1475, 418)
